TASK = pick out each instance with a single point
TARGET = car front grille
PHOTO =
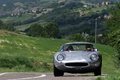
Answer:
(76, 64)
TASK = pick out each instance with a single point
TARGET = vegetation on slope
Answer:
(17, 51)
(113, 38)
(70, 16)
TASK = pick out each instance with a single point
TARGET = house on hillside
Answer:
(98, 4)
(46, 10)
(26, 11)
(103, 3)
(108, 2)
(16, 14)
(82, 14)
(85, 5)
(107, 16)
(34, 10)
(100, 35)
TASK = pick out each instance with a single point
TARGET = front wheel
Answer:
(57, 72)
(98, 71)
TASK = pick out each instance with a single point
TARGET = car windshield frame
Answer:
(77, 47)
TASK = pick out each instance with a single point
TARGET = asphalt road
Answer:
(45, 76)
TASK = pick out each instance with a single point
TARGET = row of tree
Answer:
(48, 31)
(6, 26)
(112, 35)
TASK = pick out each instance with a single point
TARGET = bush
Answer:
(99, 78)
(13, 61)
(22, 63)
(48, 31)
(42, 66)
(115, 76)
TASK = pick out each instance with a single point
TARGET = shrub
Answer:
(115, 76)
(99, 78)
(42, 66)
(14, 61)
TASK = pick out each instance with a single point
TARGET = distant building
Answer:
(34, 10)
(85, 6)
(4, 5)
(12, 14)
(46, 10)
(103, 3)
(98, 4)
(43, 26)
(26, 11)
(108, 2)
(107, 16)
(82, 14)
(100, 35)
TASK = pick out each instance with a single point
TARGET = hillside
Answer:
(98, 1)
(6, 32)
(14, 1)
(42, 50)
(71, 16)
(18, 6)
(8, 7)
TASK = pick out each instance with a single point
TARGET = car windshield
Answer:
(79, 47)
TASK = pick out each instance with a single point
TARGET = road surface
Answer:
(45, 76)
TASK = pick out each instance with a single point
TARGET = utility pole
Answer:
(95, 30)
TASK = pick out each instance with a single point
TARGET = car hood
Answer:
(77, 56)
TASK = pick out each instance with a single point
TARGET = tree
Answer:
(6, 26)
(52, 30)
(35, 30)
(49, 31)
(1, 23)
(78, 37)
(113, 33)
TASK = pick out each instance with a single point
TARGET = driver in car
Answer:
(88, 48)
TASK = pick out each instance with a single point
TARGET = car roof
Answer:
(77, 43)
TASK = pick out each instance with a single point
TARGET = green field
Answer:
(43, 49)
(17, 18)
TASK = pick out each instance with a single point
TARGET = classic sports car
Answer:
(77, 57)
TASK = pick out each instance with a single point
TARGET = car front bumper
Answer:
(77, 66)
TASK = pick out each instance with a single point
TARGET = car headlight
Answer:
(60, 57)
(94, 57)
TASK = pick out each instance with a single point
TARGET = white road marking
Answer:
(43, 75)
(3, 74)
(29, 78)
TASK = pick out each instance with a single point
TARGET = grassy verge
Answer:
(108, 58)
(114, 76)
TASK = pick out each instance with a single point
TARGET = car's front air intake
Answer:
(76, 64)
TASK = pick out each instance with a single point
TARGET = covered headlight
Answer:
(60, 57)
(94, 57)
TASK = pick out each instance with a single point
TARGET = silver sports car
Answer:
(77, 57)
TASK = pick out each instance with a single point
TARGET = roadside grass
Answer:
(114, 76)
(109, 60)
(38, 52)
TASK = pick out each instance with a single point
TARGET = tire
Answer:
(98, 71)
(57, 72)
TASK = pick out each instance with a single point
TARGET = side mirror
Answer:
(95, 49)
